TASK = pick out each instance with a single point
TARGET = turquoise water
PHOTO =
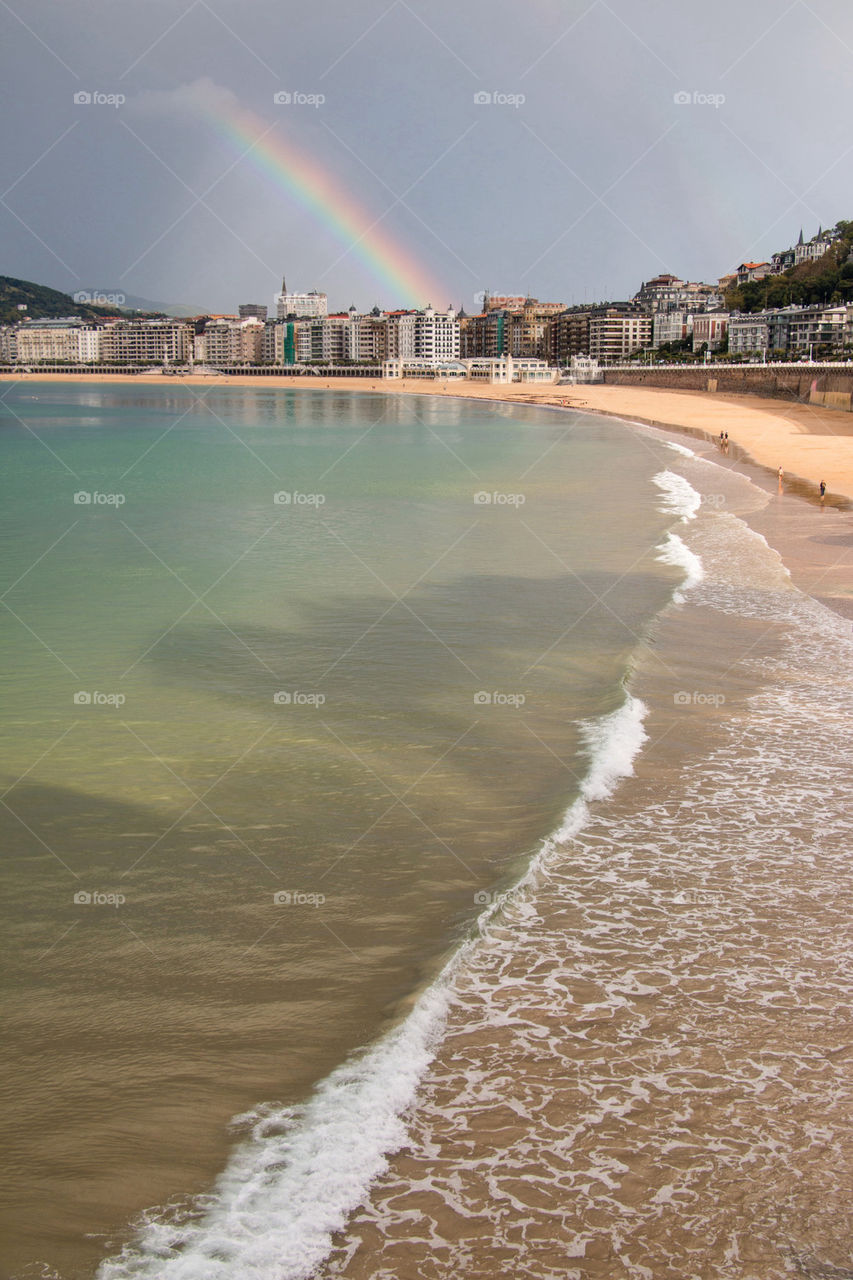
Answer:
(363, 698)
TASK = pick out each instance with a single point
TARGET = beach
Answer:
(810, 443)
(577, 1007)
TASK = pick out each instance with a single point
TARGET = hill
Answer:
(44, 303)
(827, 280)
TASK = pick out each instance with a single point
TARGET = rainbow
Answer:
(328, 200)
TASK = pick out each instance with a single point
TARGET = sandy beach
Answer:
(809, 443)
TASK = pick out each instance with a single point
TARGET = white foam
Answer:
(612, 744)
(289, 1187)
(679, 496)
(680, 448)
(676, 553)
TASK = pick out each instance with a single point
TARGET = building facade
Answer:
(614, 335)
(710, 329)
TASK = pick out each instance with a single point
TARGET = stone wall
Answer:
(822, 384)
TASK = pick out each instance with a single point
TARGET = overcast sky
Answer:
(585, 174)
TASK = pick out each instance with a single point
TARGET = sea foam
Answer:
(296, 1179)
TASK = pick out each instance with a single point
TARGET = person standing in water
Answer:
(822, 490)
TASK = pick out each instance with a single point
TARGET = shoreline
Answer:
(809, 442)
(813, 536)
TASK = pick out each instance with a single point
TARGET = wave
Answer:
(302, 1171)
(679, 496)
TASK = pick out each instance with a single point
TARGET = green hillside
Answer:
(828, 280)
(43, 303)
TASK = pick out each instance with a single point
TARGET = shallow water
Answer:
(367, 700)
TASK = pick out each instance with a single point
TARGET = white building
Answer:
(68, 340)
(300, 305)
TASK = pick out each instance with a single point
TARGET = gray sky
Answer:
(598, 179)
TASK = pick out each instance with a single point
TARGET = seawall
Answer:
(826, 385)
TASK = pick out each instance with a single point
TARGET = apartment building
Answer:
(614, 335)
(66, 340)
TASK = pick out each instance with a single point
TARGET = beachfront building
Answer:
(418, 367)
(427, 334)
(500, 369)
(68, 340)
(615, 334)
(709, 330)
(165, 341)
(748, 334)
(8, 343)
(228, 341)
(792, 331)
(568, 336)
(485, 335)
(671, 326)
(528, 328)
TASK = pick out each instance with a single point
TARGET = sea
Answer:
(426, 843)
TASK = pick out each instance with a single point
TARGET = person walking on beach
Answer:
(822, 490)
(780, 475)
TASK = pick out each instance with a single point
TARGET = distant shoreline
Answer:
(810, 443)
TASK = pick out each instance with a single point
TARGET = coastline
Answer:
(810, 443)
